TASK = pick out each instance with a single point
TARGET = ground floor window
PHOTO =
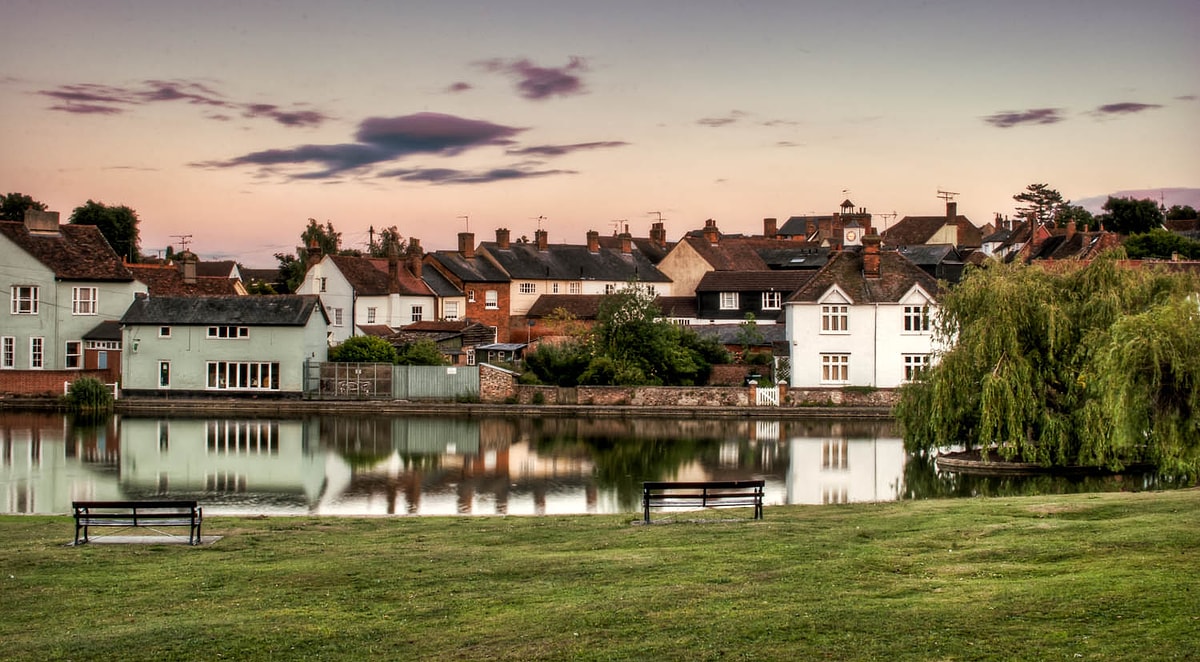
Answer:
(74, 356)
(914, 365)
(835, 368)
(8, 352)
(37, 353)
(164, 374)
(243, 375)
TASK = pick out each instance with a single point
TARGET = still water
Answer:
(447, 466)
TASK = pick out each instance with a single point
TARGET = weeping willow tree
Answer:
(1094, 365)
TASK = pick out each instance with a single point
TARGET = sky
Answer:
(233, 122)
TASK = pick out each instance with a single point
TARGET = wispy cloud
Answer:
(380, 140)
(562, 150)
(732, 117)
(1125, 108)
(97, 99)
(1010, 118)
(1186, 97)
(538, 83)
(458, 86)
(455, 176)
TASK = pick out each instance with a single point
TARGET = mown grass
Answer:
(1102, 576)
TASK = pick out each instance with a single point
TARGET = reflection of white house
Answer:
(840, 469)
(222, 345)
(39, 476)
(217, 456)
(864, 319)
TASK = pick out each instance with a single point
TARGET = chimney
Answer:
(502, 238)
(870, 256)
(951, 212)
(593, 239)
(543, 240)
(414, 256)
(187, 260)
(1070, 229)
(626, 243)
(314, 253)
(770, 227)
(658, 234)
(41, 221)
(466, 245)
(711, 234)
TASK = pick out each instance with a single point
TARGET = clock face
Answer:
(851, 235)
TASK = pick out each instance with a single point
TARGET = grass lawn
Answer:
(1095, 577)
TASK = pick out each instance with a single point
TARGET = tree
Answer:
(1044, 366)
(1129, 216)
(363, 349)
(13, 206)
(1083, 218)
(118, 224)
(1181, 213)
(420, 352)
(749, 335)
(389, 239)
(1161, 244)
(325, 237)
(1039, 203)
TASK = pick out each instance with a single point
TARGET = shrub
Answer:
(89, 395)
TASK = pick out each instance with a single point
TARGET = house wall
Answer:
(338, 294)
(684, 266)
(497, 317)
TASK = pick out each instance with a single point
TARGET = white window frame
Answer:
(25, 299)
(491, 300)
(527, 288)
(37, 353)
(553, 288)
(729, 301)
(470, 296)
(574, 288)
(84, 300)
(451, 310)
(835, 368)
(164, 370)
(772, 300)
(8, 353)
(335, 315)
(228, 332)
(914, 364)
(321, 282)
(73, 360)
(835, 318)
(609, 288)
(916, 319)
(416, 313)
(164, 332)
(370, 314)
(242, 375)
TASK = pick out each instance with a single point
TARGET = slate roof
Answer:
(729, 334)
(845, 269)
(165, 280)
(582, 306)
(684, 307)
(478, 269)
(439, 284)
(753, 281)
(648, 247)
(216, 268)
(929, 254)
(273, 310)
(920, 229)
(106, 330)
(743, 253)
(801, 256)
(803, 226)
(573, 262)
(75, 252)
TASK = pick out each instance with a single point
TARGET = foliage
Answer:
(1039, 203)
(118, 224)
(1181, 213)
(1161, 244)
(389, 240)
(559, 363)
(1067, 212)
(1037, 358)
(89, 395)
(749, 335)
(13, 206)
(1129, 216)
(420, 352)
(291, 270)
(260, 288)
(363, 349)
(324, 237)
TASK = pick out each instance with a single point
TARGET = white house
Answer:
(864, 319)
(228, 345)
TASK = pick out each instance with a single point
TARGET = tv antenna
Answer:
(617, 224)
(887, 217)
(946, 195)
(539, 219)
(658, 213)
(467, 220)
(183, 241)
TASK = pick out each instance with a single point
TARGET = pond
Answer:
(356, 466)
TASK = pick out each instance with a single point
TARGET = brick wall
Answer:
(44, 382)
(496, 384)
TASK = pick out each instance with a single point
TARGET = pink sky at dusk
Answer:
(235, 122)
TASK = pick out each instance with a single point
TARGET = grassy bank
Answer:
(1105, 576)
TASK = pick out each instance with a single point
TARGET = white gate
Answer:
(767, 396)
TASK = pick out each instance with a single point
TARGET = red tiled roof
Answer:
(845, 269)
(165, 280)
(919, 229)
(75, 252)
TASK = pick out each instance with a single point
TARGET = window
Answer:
(83, 300)
(471, 356)
(649, 289)
(336, 315)
(164, 374)
(164, 332)
(834, 319)
(771, 300)
(729, 301)
(37, 357)
(470, 296)
(370, 315)
(528, 288)
(451, 310)
(914, 365)
(575, 288)
(553, 288)
(24, 300)
(74, 355)
(835, 368)
(243, 375)
(320, 282)
(491, 300)
(242, 438)
(228, 332)
(916, 318)
(417, 313)
(610, 289)
(8, 352)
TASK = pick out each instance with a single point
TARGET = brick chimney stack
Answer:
(770, 227)
(626, 243)
(951, 212)
(871, 255)
(393, 270)
(314, 253)
(593, 241)
(187, 260)
(502, 238)
(543, 240)
(1071, 228)
(711, 234)
(415, 255)
(658, 234)
(37, 221)
(466, 244)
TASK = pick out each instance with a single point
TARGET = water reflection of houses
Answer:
(844, 462)
(46, 461)
(215, 457)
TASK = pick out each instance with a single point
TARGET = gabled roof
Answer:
(845, 270)
(217, 268)
(273, 310)
(802, 256)
(802, 226)
(478, 269)
(1077, 246)
(753, 281)
(408, 283)
(75, 252)
(581, 306)
(573, 262)
(648, 247)
(165, 280)
(920, 229)
(106, 330)
(929, 254)
(439, 284)
(741, 253)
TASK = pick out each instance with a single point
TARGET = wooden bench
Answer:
(703, 494)
(137, 514)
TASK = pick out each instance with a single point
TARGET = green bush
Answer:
(363, 349)
(89, 395)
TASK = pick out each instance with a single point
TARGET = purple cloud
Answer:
(540, 83)
(562, 150)
(1010, 118)
(1186, 97)
(91, 98)
(732, 117)
(460, 86)
(381, 139)
(453, 176)
(1125, 108)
